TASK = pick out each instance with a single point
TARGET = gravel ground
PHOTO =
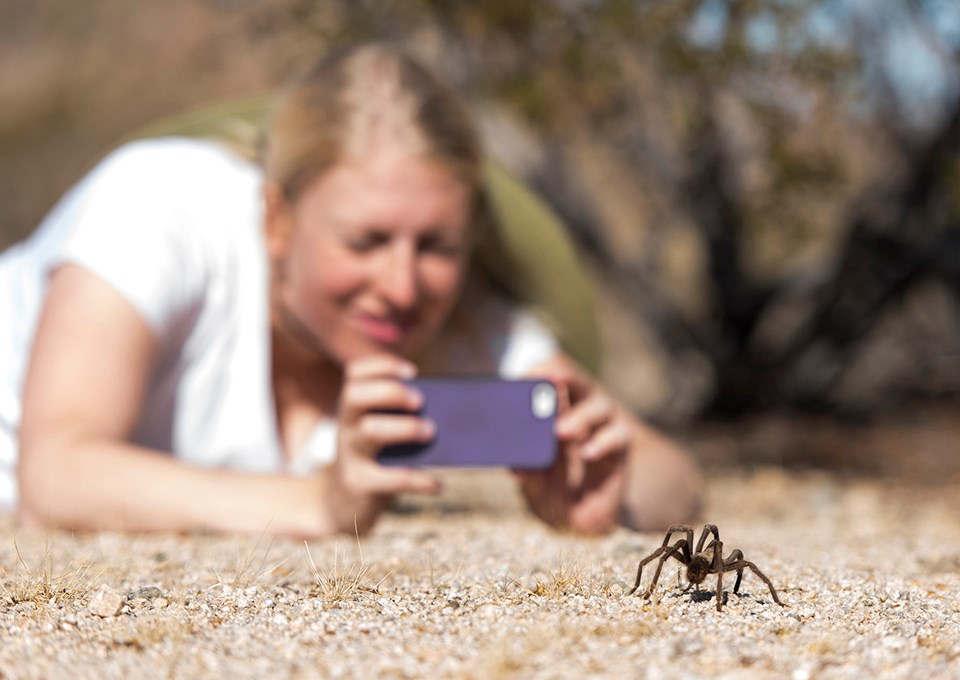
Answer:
(469, 586)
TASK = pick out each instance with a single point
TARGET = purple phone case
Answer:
(481, 422)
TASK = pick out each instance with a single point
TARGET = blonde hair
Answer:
(358, 99)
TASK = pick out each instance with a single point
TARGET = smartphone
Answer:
(483, 422)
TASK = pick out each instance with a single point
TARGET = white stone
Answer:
(105, 603)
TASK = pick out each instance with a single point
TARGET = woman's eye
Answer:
(440, 246)
(365, 243)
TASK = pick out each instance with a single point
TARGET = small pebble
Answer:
(105, 603)
(146, 593)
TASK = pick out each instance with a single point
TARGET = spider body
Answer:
(699, 568)
(700, 562)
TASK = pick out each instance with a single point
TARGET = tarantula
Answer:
(701, 562)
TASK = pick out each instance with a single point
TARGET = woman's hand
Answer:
(583, 489)
(376, 409)
(611, 466)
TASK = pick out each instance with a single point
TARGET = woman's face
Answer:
(371, 257)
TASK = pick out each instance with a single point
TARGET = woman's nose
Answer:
(399, 284)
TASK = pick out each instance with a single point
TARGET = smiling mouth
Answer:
(383, 331)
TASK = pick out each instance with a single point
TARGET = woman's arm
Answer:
(89, 366)
(611, 467)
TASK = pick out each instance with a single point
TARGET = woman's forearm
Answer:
(664, 485)
(112, 485)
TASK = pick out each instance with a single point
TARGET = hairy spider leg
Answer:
(742, 564)
(674, 529)
(679, 550)
(678, 529)
(646, 560)
(656, 553)
(728, 565)
(707, 530)
(717, 566)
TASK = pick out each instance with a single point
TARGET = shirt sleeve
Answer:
(130, 227)
(525, 343)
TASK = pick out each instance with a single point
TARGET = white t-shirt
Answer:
(175, 226)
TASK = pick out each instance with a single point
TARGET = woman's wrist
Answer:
(664, 484)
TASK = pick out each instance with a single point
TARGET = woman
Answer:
(256, 323)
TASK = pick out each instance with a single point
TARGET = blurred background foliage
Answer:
(766, 192)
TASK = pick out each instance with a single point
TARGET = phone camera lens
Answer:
(543, 401)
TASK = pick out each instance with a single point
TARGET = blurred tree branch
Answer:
(816, 205)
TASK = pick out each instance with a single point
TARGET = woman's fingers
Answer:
(614, 439)
(585, 416)
(597, 424)
(577, 494)
(376, 409)
(374, 431)
(364, 396)
(370, 479)
(374, 384)
(577, 384)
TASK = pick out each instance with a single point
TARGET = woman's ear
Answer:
(278, 219)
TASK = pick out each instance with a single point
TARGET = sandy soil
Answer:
(469, 586)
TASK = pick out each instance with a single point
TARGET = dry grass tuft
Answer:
(341, 582)
(249, 568)
(565, 580)
(43, 584)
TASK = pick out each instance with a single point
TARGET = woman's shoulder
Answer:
(178, 159)
(176, 184)
(170, 164)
